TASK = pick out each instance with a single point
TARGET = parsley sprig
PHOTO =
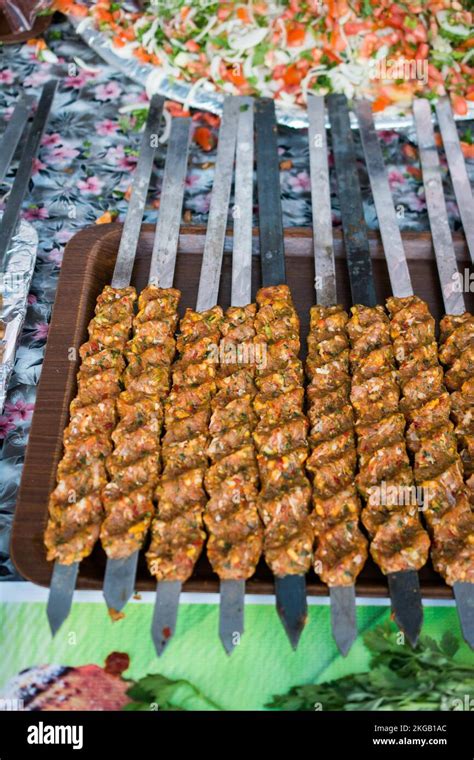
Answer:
(400, 678)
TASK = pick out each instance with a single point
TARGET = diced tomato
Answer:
(420, 33)
(396, 16)
(104, 16)
(292, 75)
(176, 109)
(468, 150)
(128, 33)
(336, 40)
(459, 104)
(243, 15)
(422, 51)
(234, 74)
(332, 55)
(67, 6)
(434, 74)
(204, 138)
(342, 8)
(278, 71)
(142, 55)
(224, 11)
(355, 27)
(192, 46)
(295, 34)
(381, 103)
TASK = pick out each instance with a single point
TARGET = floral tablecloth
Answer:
(83, 175)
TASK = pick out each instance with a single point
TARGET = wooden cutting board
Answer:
(87, 266)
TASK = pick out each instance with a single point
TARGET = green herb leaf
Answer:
(157, 692)
(400, 678)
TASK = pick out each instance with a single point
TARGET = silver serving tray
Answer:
(15, 281)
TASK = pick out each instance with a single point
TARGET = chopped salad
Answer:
(387, 51)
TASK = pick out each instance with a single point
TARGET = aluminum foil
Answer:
(206, 98)
(15, 281)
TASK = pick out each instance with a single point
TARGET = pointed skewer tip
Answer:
(406, 601)
(231, 613)
(464, 595)
(119, 581)
(165, 614)
(343, 617)
(63, 582)
(292, 606)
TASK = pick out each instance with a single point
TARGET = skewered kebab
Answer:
(456, 354)
(281, 433)
(340, 547)
(177, 534)
(399, 545)
(75, 508)
(431, 439)
(231, 518)
(425, 402)
(398, 541)
(448, 515)
(135, 462)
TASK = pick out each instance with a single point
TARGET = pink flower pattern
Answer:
(91, 185)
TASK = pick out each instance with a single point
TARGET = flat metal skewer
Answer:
(290, 590)
(407, 608)
(168, 592)
(438, 216)
(63, 579)
(13, 133)
(343, 604)
(120, 574)
(448, 274)
(232, 592)
(25, 167)
(457, 169)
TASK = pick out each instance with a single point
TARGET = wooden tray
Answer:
(87, 266)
